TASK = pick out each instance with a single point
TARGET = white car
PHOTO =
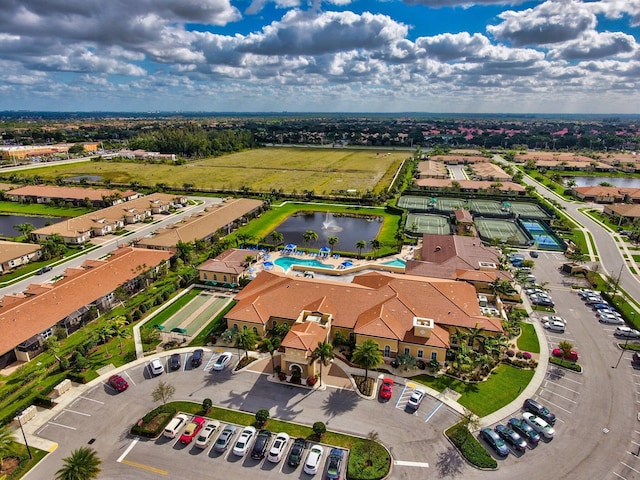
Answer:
(610, 318)
(554, 318)
(155, 366)
(539, 425)
(242, 444)
(554, 326)
(314, 458)
(626, 332)
(206, 434)
(222, 361)
(278, 447)
(416, 399)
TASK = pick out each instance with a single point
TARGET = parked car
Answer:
(626, 332)
(175, 425)
(554, 318)
(511, 437)
(591, 299)
(118, 383)
(532, 406)
(260, 445)
(193, 428)
(386, 390)
(242, 444)
(601, 306)
(525, 430)
(541, 301)
(277, 449)
(333, 463)
(635, 359)
(554, 326)
(297, 452)
(44, 269)
(584, 293)
(155, 366)
(206, 434)
(539, 425)
(224, 439)
(415, 399)
(494, 441)
(533, 254)
(572, 355)
(174, 361)
(314, 458)
(222, 361)
(610, 318)
(196, 357)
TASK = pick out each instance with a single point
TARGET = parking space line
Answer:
(556, 406)
(129, 448)
(629, 466)
(145, 467)
(404, 463)
(561, 396)
(61, 425)
(130, 379)
(91, 400)
(186, 359)
(74, 411)
(401, 395)
(560, 385)
(433, 412)
(206, 367)
(618, 475)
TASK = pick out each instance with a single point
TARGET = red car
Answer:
(192, 430)
(386, 390)
(573, 355)
(118, 383)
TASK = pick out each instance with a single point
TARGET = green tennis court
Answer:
(419, 223)
(415, 203)
(504, 230)
(450, 204)
(487, 207)
(528, 210)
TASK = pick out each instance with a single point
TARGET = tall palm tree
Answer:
(120, 331)
(309, 237)
(360, 244)
(104, 334)
(83, 464)
(6, 442)
(367, 355)
(271, 345)
(332, 240)
(277, 237)
(375, 245)
(324, 353)
(399, 237)
(246, 339)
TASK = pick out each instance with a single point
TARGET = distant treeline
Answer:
(193, 141)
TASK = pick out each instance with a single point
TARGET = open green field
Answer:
(321, 170)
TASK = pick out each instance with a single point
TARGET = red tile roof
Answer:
(305, 336)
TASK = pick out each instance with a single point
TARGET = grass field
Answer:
(322, 170)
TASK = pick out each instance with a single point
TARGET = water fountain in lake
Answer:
(330, 224)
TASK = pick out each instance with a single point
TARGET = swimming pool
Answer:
(285, 263)
(396, 262)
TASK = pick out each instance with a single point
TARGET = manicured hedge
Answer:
(470, 447)
(566, 364)
(162, 414)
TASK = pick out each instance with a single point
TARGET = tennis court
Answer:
(543, 236)
(416, 203)
(528, 210)
(486, 207)
(419, 223)
(504, 230)
(450, 204)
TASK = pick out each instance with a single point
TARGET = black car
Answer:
(297, 452)
(261, 444)
(44, 270)
(174, 361)
(525, 430)
(494, 441)
(539, 410)
(196, 358)
(512, 438)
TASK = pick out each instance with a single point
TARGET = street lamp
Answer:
(24, 436)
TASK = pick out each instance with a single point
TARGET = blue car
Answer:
(333, 464)
(495, 442)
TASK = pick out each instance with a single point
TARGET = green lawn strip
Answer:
(571, 365)
(501, 388)
(172, 309)
(41, 209)
(215, 326)
(470, 447)
(359, 455)
(528, 340)
(26, 463)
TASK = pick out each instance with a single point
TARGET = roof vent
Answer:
(438, 248)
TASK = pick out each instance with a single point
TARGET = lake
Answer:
(625, 182)
(7, 222)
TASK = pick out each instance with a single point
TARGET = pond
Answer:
(623, 182)
(348, 230)
(7, 222)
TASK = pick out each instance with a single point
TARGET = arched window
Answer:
(235, 327)
(407, 351)
(255, 330)
(244, 327)
(420, 353)
(387, 350)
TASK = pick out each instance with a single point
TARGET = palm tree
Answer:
(399, 238)
(360, 244)
(277, 237)
(309, 236)
(184, 250)
(25, 229)
(474, 334)
(83, 464)
(104, 334)
(375, 245)
(271, 345)
(324, 353)
(332, 240)
(367, 355)
(6, 443)
(246, 339)
(120, 331)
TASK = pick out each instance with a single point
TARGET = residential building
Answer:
(97, 197)
(472, 186)
(227, 268)
(27, 318)
(599, 194)
(626, 211)
(491, 172)
(14, 254)
(431, 169)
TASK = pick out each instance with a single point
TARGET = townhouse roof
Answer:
(558, 156)
(430, 168)
(77, 193)
(630, 210)
(469, 184)
(229, 261)
(575, 164)
(463, 216)
(305, 336)
(469, 157)
(376, 303)
(490, 170)
(202, 224)
(12, 250)
(598, 191)
(45, 305)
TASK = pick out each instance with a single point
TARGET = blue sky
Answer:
(484, 56)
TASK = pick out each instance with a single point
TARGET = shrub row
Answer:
(470, 447)
(566, 364)
(162, 414)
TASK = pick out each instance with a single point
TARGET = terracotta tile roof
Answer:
(439, 338)
(76, 193)
(630, 210)
(47, 304)
(463, 216)
(12, 250)
(230, 261)
(202, 224)
(305, 336)
(598, 191)
(469, 184)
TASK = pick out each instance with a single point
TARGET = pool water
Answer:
(396, 262)
(285, 263)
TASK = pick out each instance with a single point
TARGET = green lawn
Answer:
(172, 309)
(42, 209)
(528, 340)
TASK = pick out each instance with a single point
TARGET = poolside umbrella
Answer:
(290, 246)
(325, 250)
(347, 263)
(268, 265)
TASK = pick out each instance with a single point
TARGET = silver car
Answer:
(626, 332)
(554, 326)
(610, 318)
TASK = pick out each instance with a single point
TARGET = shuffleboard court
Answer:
(188, 310)
(504, 230)
(422, 223)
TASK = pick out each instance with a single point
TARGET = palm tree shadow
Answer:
(449, 463)
(339, 402)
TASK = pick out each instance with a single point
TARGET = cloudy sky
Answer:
(470, 56)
